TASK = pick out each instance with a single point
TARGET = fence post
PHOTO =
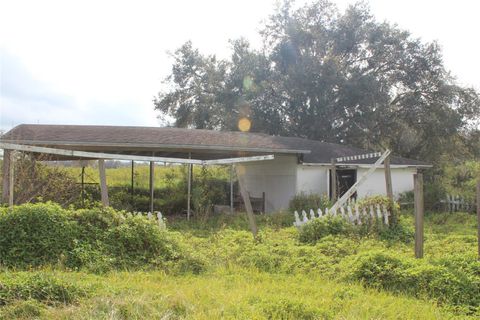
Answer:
(103, 182)
(11, 178)
(151, 184)
(6, 175)
(418, 187)
(333, 179)
(389, 188)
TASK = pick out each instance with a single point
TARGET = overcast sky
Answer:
(101, 62)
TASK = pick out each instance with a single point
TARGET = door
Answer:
(346, 178)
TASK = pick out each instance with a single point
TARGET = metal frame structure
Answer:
(11, 148)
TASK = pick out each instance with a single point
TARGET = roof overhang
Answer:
(74, 154)
(151, 147)
(367, 165)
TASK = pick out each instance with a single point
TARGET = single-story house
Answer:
(299, 165)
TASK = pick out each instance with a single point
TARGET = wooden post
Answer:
(189, 190)
(389, 188)
(264, 202)
(132, 181)
(246, 201)
(6, 175)
(418, 189)
(11, 178)
(83, 186)
(388, 178)
(103, 182)
(151, 184)
(231, 189)
(478, 215)
(334, 180)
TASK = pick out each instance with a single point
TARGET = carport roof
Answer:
(181, 142)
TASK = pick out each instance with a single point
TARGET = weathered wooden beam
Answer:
(132, 186)
(388, 178)
(189, 190)
(93, 155)
(419, 212)
(103, 183)
(6, 175)
(246, 200)
(362, 179)
(239, 160)
(112, 156)
(151, 185)
(389, 187)
(333, 179)
(82, 181)
(11, 178)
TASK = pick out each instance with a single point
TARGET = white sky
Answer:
(101, 62)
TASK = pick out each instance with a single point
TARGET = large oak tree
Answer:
(327, 75)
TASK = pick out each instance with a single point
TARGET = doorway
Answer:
(346, 178)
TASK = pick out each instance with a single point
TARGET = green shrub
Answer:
(291, 309)
(95, 239)
(22, 309)
(139, 241)
(34, 234)
(403, 231)
(94, 223)
(374, 201)
(92, 258)
(208, 191)
(309, 201)
(418, 278)
(315, 230)
(39, 286)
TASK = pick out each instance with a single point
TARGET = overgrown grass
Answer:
(163, 175)
(219, 271)
(238, 293)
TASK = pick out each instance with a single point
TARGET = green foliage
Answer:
(38, 286)
(319, 228)
(34, 235)
(22, 309)
(373, 201)
(96, 239)
(210, 186)
(37, 182)
(402, 275)
(321, 65)
(264, 277)
(138, 242)
(207, 191)
(460, 178)
(403, 232)
(305, 201)
(291, 309)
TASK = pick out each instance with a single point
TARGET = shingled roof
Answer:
(180, 140)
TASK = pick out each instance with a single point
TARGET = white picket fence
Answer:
(156, 215)
(351, 213)
(456, 203)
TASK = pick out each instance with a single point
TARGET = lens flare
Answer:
(244, 124)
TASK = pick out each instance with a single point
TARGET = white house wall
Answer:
(277, 178)
(283, 177)
(312, 179)
(402, 180)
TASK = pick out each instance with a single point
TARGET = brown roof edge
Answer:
(153, 145)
